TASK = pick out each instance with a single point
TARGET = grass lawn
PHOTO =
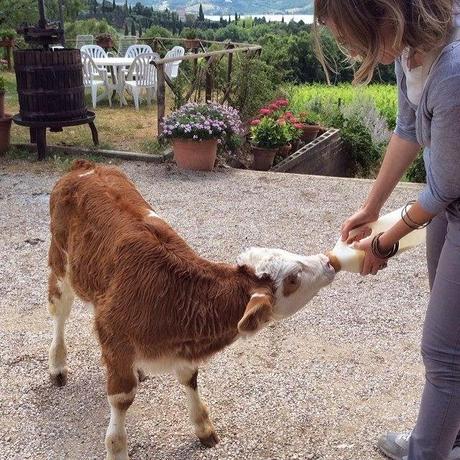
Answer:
(120, 128)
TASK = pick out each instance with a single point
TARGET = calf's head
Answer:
(296, 279)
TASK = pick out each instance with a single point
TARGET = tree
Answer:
(126, 6)
(236, 18)
(133, 29)
(201, 13)
(126, 29)
(113, 5)
(140, 30)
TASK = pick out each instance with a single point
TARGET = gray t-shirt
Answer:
(435, 124)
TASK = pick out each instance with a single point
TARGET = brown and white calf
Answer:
(158, 305)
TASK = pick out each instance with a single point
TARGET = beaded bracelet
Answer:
(376, 248)
(407, 219)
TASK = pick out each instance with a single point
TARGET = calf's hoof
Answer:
(59, 379)
(210, 441)
(141, 375)
(117, 456)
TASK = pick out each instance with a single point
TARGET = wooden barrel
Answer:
(50, 84)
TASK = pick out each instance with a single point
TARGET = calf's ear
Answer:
(258, 313)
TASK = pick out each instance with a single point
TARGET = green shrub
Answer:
(189, 33)
(416, 171)
(7, 33)
(254, 84)
(356, 134)
(157, 31)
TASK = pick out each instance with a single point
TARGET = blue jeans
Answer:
(438, 422)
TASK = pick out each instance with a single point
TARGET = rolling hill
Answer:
(224, 7)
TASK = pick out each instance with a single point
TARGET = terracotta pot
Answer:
(2, 104)
(191, 43)
(285, 150)
(195, 155)
(309, 132)
(263, 158)
(5, 128)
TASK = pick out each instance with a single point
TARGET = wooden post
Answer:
(9, 60)
(209, 79)
(161, 90)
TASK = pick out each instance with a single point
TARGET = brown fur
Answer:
(153, 295)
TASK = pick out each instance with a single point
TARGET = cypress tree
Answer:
(126, 29)
(201, 13)
(236, 18)
(133, 29)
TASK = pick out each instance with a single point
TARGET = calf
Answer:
(158, 305)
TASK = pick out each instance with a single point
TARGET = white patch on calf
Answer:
(153, 214)
(314, 272)
(86, 173)
(116, 439)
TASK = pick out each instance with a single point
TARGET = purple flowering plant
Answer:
(203, 121)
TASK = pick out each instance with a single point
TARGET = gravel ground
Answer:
(321, 385)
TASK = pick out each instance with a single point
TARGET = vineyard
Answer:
(383, 95)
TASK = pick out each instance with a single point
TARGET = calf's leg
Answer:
(198, 411)
(121, 390)
(60, 297)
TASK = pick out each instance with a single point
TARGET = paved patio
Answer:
(321, 385)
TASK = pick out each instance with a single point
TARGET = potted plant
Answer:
(294, 130)
(191, 40)
(195, 131)
(310, 127)
(267, 136)
(5, 120)
(7, 37)
(104, 40)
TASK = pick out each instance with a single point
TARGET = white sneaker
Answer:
(396, 446)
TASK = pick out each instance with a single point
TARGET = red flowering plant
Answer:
(277, 111)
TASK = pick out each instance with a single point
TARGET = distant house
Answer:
(181, 13)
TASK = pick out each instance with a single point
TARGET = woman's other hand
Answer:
(359, 222)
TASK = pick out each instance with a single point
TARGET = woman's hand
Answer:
(358, 221)
(371, 264)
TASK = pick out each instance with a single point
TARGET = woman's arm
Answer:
(443, 174)
(401, 152)
(399, 155)
(373, 264)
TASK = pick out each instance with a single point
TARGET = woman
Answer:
(421, 37)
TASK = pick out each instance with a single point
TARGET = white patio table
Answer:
(117, 64)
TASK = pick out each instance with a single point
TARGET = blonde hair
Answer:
(419, 24)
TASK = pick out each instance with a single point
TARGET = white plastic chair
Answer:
(95, 51)
(93, 78)
(172, 68)
(125, 42)
(84, 40)
(135, 50)
(142, 75)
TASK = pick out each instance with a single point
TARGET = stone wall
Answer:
(325, 156)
